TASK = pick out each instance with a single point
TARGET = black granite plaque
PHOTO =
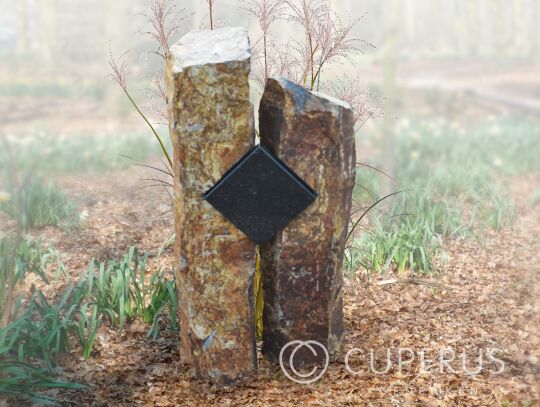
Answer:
(260, 195)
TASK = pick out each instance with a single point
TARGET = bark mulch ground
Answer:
(486, 298)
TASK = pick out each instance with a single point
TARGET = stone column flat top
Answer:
(300, 94)
(204, 47)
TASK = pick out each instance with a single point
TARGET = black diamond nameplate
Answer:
(260, 195)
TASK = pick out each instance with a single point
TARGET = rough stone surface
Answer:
(302, 266)
(211, 127)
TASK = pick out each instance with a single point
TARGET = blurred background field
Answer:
(445, 58)
(457, 142)
(456, 64)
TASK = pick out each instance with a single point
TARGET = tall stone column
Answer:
(211, 127)
(302, 266)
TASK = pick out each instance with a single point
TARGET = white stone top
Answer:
(210, 47)
(300, 95)
(332, 99)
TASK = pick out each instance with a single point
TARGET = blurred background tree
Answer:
(58, 44)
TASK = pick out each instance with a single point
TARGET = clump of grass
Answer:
(29, 198)
(45, 329)
(115, 291)
(404, 246)
(118, 292)
(24, 381)
(20, 256)
(78, 153)
(41, 203)
(496, 211)
(123, 291)
(408, 236)
(455, 187)
(503, 147)
(42, 331)
(89, 323)
(51, 89)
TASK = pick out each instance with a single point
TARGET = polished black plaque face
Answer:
(260, 195)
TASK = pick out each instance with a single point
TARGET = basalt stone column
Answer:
(211, 127)
(302, 266)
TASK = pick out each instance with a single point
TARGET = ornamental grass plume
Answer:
(350, 90)
(266, 12)
(119, 75)
(325, 40)
(165, 22)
